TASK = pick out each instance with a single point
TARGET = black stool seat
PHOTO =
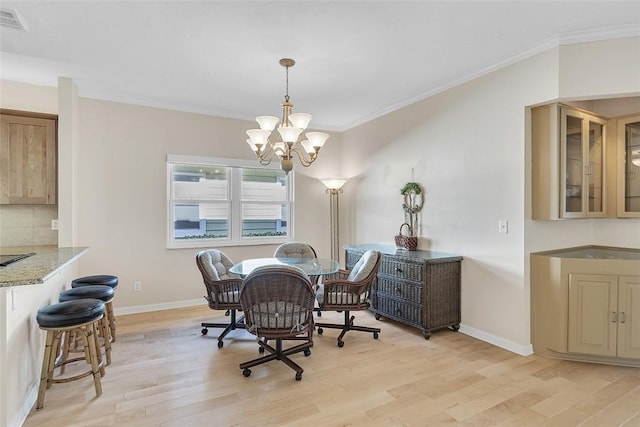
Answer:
(102, 292)
(70, 313)
(102, 279)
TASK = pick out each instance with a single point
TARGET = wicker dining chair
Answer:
(297, 250)
(223, 290)
(349, 291)
(277, 301)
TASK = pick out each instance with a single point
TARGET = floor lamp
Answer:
(334, 187)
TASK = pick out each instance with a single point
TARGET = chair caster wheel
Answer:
(320, 331)
(260, 349)
(246, 372)
(307, 352)
(298, 376)
(204, 331)
(220, 344)
(340, 344)
(377, 316)
(375, 335)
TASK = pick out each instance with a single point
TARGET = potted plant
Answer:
(413, 202)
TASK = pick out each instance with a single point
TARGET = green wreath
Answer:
(411, 187)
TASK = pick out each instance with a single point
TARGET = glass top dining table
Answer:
(311, 266)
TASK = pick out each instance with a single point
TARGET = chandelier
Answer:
(288, 141)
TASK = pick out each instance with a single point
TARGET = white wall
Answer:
(122, 197)
(468, 148)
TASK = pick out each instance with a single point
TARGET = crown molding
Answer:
(600, 34)
(551, 43)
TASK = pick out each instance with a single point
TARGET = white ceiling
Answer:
(355, 60)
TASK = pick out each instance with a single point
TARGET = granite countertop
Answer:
(37, 268)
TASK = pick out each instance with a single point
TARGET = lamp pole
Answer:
(335, 222)
(334, 188)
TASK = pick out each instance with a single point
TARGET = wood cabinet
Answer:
(628, 196)
(28, 159)
(418, 288)
(568, 163)
(585, 304)
(601, 315)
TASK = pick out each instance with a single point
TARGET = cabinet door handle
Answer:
(614, 316)
(622, 317)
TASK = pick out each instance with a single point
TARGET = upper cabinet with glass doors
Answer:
(629, 166)
(568, 163)
(582, 156)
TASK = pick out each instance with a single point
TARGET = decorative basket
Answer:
(408, 243)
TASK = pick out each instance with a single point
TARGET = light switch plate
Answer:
(503, 226)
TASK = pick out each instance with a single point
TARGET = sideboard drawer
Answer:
(400, 289)
(401, 310)
(402, 268)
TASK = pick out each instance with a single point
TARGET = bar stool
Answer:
(78, 315)
(103, 293)
(106, 280)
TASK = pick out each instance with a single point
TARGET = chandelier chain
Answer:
(286, 95)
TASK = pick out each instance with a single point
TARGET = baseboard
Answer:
(522, 350)
(156, 307)
(19, 419)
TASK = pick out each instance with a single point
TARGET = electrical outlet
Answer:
(54, 224)
(503, 226)
(137, 286)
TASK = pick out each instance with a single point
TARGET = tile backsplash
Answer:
(22, 225)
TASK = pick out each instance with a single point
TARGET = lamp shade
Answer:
(317, 139)
(289, 134)
(300, 120)
(267, 122)
(259, 136)
(252, 145)
(308, 147)
(333, 183)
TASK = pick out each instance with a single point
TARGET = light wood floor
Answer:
(165, 373)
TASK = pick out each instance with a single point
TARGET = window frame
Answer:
(234, 182)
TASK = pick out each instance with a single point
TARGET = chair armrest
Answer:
(339, 275)
(220, 287)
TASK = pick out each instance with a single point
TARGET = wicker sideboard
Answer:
(418, 288)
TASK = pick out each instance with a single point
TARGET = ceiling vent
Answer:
(10, 19)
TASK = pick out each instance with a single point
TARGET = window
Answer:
(223, 202)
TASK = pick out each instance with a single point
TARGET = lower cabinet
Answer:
(601, 315)
(585, 304)
(417, 288)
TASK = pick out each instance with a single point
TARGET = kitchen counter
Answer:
(25, 286)
(38, 268)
